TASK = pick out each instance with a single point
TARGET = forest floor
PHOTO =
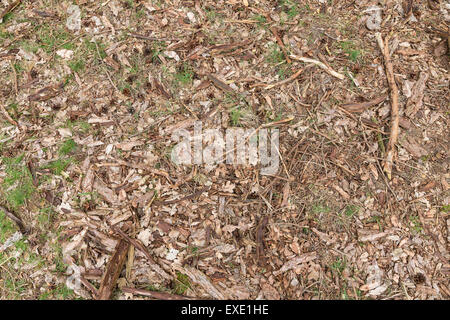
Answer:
(92, 205)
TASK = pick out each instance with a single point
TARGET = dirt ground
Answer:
(92, 205)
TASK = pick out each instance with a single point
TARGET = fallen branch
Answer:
(155, 294)
(9, 8)
(16, 220)
(7, 116)
(393, 136)
(320, 64)
(112, 273)
(141, 248)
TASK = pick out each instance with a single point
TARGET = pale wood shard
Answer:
(393, 136)
(320, 64)
(113, 270)
(202, 280)
(155, 294)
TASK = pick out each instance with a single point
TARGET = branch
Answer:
(393, 136)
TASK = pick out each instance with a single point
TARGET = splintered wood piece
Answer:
(155, 294)
(113, 269)
(360, 107)
(260, 240)
(141, 248)
(219, 84)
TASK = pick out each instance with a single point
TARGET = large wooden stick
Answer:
(112, 273)
(393, 137)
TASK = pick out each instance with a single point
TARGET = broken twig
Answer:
(320, 64)
(393, 137)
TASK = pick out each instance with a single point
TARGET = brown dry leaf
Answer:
(105, 192)
(415, 102)
(360, 107)
(293, 263)
(441, 49)
(270, 292)
(414, 148)
(370, 235)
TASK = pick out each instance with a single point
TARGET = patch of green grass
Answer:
(15, 287)
(6, 35)
(18, 67)
(60, 266)
(275, 55)
(235, 116)
(211, 15)
(446, 208)
(67, 147)
(61, 292)
(7, 228)
(18, 183)
(185, 75)
(58, 166)
(415, 223)
(320, 207)
(351, 210)
(21, 245)
(45, 216)
(181, 284)
(76, 65)
(81, 125)
(89, 47)
(338, 265)
(284, 72)
(350, 49)
(49, 38)
(289, 7)
(261, 20)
